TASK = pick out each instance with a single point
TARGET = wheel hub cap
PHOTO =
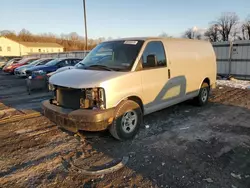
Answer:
(204, 95)
(129, 121)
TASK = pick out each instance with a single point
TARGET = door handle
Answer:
(169, 74)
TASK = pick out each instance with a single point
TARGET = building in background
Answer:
(233, 58)
(9, 47)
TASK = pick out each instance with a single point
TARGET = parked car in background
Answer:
(12, 61)
(4, 60)
(122, 80)
(60, 70)
(24, 61)
(52, 66)
(80, 64)
(21, 71)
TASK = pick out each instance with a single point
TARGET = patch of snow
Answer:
(209, 180)
(237, 176)
(241, 84)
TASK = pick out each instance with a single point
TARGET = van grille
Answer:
(68, 98)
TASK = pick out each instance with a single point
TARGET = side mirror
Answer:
(151, 60)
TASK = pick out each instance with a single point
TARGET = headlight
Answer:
(94, 98)
(51, 87)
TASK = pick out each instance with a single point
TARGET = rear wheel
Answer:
(202, 98)
(128, 118)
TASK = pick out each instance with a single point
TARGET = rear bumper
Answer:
(81, 119)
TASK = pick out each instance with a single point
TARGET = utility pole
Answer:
(85, 23)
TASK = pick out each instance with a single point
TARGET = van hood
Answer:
(79, 78)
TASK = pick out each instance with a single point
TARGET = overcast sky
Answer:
(115, 18)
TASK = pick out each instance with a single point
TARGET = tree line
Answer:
(70, 42)
(226, 27)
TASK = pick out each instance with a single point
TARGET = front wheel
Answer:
(202, 98)
(128, 118)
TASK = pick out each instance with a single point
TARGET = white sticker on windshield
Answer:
(131, 42)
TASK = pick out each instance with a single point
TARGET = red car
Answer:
(24, 61)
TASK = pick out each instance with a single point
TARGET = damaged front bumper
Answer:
(81, 119)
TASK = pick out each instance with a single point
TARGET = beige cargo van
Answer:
(121, 80)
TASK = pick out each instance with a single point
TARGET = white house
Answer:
(9, 47)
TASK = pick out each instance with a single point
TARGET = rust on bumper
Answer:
(81, 119)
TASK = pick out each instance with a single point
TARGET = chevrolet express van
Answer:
(121, 80)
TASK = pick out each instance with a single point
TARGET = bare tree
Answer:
(165, 35)
(9, 34)
(26, 36)
(70, 42)
(246, 29)
(188, 34)
(109, 38)
(212, 33)
(192, 33)
(226, 22)
(73, 36)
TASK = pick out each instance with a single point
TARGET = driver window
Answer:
(153, 55)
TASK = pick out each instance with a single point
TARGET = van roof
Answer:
(155, 38)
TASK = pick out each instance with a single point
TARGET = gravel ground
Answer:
(181, 146)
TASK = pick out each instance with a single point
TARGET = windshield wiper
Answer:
(101, 66)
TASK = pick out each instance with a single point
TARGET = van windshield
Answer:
(113, 55)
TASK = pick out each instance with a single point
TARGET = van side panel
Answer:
(193, 59)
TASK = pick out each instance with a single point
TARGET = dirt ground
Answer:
(181, 146)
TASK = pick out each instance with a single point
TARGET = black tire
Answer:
(117, 129)
(201, 99)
